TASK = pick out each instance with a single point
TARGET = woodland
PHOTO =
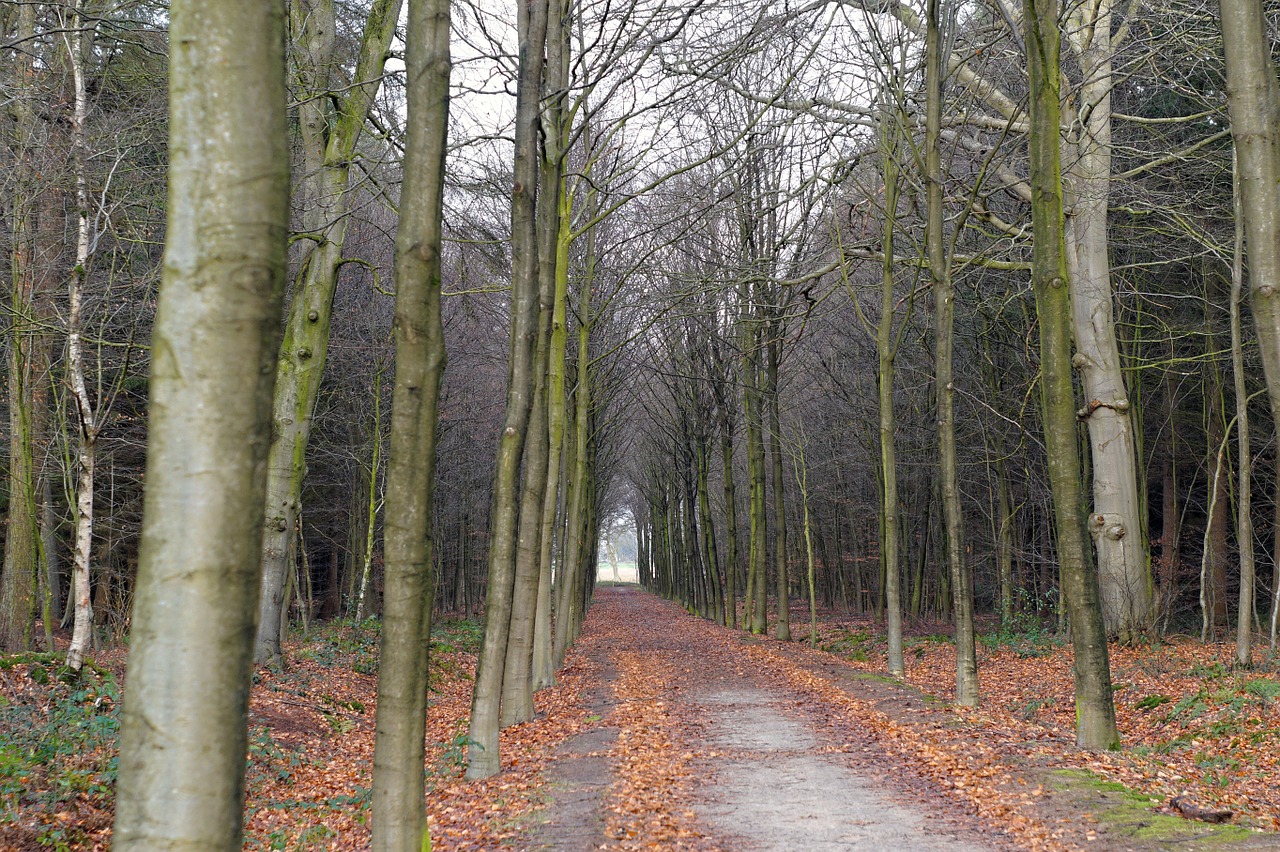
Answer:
(345, 340)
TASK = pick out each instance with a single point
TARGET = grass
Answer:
(1128, 815)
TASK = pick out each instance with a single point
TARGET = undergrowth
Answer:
(56, 748)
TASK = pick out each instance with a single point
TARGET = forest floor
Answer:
(668, 732)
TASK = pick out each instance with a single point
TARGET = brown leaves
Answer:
(1188, 723)
(1197, 735)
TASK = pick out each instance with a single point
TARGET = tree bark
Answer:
(21, 543)
(1095, 709)
(1244, 506)
(885, 350)
(183, 735)
(774, 355)
(86, 416)
(1253, 98)
(399, 816)
(1216, 555)
(577, 469)
(1116, 523)
(328, 145)
(752, 410)
(559, 205)
(944, 311)
(482, 754)
(724, 419)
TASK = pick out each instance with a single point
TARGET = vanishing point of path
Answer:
(698, 744)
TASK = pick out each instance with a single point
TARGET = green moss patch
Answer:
(1124, 814)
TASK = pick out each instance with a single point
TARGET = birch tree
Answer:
(87, 417)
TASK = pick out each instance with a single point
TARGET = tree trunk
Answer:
(774, 355)
(1095, 709)
(183, 735)
(556, 264)
(730, 510)
(754, 414)
(82, 631)
(1244, 507)
(885, 350)
(1004, 544)
(944, 311)
(371, 503)
(399, 816)
(21, 543)
(1216, 555)
(86, 416)
(517, 678)
(328, 146)
(482, 754)
(1253, 96)
(710, 552)
(573, 546)
(1116, 522)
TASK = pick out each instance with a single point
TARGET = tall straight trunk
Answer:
(559, 201)
(591, 546)
(730, 514)
(533, 575)
(1004, 543)
(517, 677)
(399, 816)
(773, 353)
(585, 545)
(1244, 490)
(1095, 708)
(801, 470)
(183, 737)
(86, 415)
(1170, 535)
(754, 414)
(1119, 533)
(710, 553)
(885, 349)
(944, 312)
(328, 146)
(21, 543)
(49, 521)
(1253, 98)
(700, 589)
(644, 567)
(482, 754)
(1216, 556)
(371, 502)
(576, 504)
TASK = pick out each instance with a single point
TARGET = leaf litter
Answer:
(1192, 727)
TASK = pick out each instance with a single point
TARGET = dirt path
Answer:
(774, 780)
(697, 747)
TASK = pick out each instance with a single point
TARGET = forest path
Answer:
(697, 745)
